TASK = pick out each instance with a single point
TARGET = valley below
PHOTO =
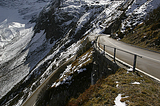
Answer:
(39, 38)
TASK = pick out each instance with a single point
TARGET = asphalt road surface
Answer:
(149, 63)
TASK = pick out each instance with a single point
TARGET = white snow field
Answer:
(15, 34)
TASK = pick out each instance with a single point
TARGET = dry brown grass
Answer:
(104, 92)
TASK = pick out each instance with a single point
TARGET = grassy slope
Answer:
(105, 91)
(145, 36)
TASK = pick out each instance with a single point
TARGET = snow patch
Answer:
(129, 70)
(118, 102)
(117, 84)
(136, 83)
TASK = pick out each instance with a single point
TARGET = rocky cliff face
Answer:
(55, 37)
(61, 17)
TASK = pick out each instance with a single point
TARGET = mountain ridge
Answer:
(58, 28)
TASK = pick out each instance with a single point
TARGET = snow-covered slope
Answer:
(31, 51)
(136, 12)
(15, 34)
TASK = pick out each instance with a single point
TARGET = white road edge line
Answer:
(133, 52)
(129, 64)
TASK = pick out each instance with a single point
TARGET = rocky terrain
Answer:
(43, 34)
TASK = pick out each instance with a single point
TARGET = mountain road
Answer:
(149, 63)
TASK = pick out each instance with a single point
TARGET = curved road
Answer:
(31, 101)
(149, 63)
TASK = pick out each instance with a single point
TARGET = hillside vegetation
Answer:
(146, 34)
(133, 89)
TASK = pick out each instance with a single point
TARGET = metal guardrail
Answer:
(115, 50)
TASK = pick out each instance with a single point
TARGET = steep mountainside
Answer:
(147, 34)
(15, 34)
(43, 34)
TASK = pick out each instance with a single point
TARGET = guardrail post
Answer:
(104, 49)
(134, 64)
(114, 54)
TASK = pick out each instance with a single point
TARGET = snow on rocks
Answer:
(137, 11)
(66, 76)
(10, 32)
(15, 34)
(77, 66)
(107, 17)
(17, 40)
